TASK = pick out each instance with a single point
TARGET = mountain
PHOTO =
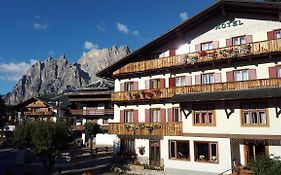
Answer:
(56, 75)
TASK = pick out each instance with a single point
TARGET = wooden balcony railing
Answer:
(81, 112)
(146, 129)
(39, 113)
(234, 52)
(150, 94)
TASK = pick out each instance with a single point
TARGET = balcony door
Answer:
(154, 156)
(252, 150)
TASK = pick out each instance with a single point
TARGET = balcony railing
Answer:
(81, 112)
(39, 113)
(242, 51)
(150, 94)
(146, 129)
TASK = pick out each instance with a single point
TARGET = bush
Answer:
(264, 165)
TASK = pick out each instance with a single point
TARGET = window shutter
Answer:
(170, 114)
(272, 72)
(172, 52)
(215, 44)
(136, 116)
(270, 35)
(229, 42)
(217, 77)
(147, 115)
(252, 74)
(122, 116)
(146, 83)
(229, 76)
(188, 80)
(197, 47)
(136, 85)
(249, 39)
(197, 79)
(122, 86)
(171, 82)
(163, 115)
(162, 83)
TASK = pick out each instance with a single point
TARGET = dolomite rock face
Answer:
(56, 75)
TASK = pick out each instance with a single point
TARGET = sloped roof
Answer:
(45, 101)
(270, 9)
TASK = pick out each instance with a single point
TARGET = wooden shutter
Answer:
(163, 115)
(172, 52)
(252, 74)
(170, 114)
(171, 82)
(136, 116)
(229, 76)
(197, 47)
(272, 72)
(217, 77)
(215, 44)
(162, 83)
(122, 116)
(135, 85)
(146, 84)
(249, 39)
(188, 80)
(122, 86)
(270, 35)
(229, 42)
(197, 79)
(147, 115)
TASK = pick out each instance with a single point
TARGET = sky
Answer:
(33, 30)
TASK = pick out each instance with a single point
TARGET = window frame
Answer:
(240, 70)
(275, 34)
(205, 109)
(238, 37)
(125, 115)
(179, 112)
(210, 143)
(180, 77)
(278, 71)
(252, 110)
(176, 152)
(210, 43)
(150, 115)
(158, 83)
(131, 83)
(208, 76)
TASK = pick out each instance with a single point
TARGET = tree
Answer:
(46, 139)
(3, 113)
(91, 130)
(264, 165)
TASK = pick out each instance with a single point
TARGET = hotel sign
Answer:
(229, 24)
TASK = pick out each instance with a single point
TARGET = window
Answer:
(207, 78)
(129, 86)
(278, 34)
(127, 145)
(207, 46)
(254, 114)
(154, 84)
(206, 151)
(238, 40)
(105, 121)
(177, 115)
(204, 116)
(241, 75)
(179, 149)
(154, 115)
(279, 71)
(179, 81)
(128, 116)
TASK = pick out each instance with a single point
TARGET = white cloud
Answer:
(89, 45)
(123, 28)
(136, 32)
(14, 71)
(40, 25)
(183, 16)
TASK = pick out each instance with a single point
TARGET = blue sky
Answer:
(36, 29)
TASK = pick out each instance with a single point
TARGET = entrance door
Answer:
(252, 150)
(154, 157)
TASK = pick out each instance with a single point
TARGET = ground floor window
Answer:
(179, 149)
(206, 151)
(127, 145)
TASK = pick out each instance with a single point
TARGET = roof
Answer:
(250, 94)
(23, 104)
(220, 7)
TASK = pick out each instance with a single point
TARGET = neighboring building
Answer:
(90, 105)
(37, 108)
(205, 93)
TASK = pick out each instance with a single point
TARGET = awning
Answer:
(259, 93)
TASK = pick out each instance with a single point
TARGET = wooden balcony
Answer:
(146, 129)
(81, 112)
(165, 93)
(39, 113)
(226, 53)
